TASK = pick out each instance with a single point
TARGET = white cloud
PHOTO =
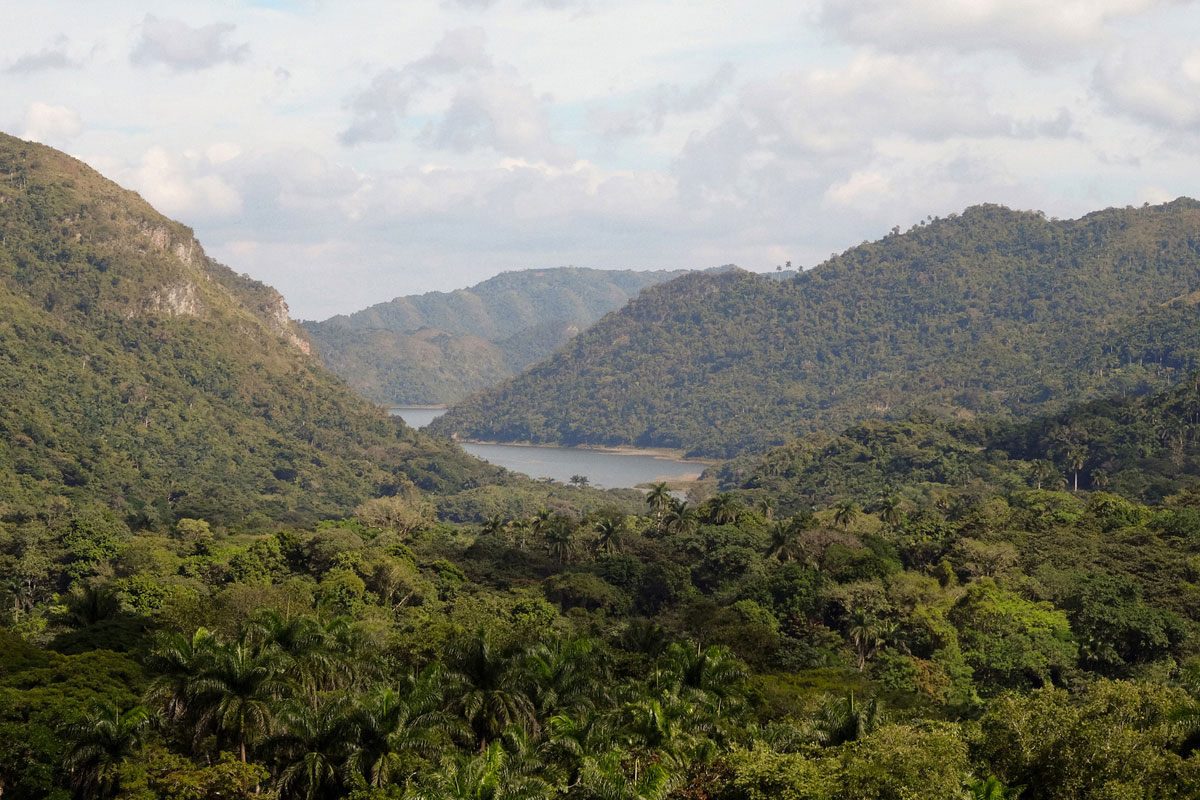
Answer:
(1037, 31)
(1155, 85)
(500, 112)
(184, 48)
(183, 186)
(52, 125)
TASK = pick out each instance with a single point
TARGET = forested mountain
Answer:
(992, 311)
(439, 347)
(1146, 448)
(196, 602)
(139, 374)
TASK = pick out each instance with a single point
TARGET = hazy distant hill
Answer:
(991, 311)
(138, 373)
(441, 346)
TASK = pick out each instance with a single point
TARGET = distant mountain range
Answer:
(140, 375)
(439, 347)
(992, 311)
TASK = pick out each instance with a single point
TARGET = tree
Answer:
(234, 695)
(659, 499)
(486, 688)
(312, 744)
(680, 518)
(609, 531)
(722, 509)
(844, 513)
(889, 510)
(98, 742)
(392, 731)
(846, 719)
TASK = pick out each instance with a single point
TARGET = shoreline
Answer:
(661, 453)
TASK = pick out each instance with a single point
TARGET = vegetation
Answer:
(921, 608)
(142, 377)
(992, 312)
(439, 347)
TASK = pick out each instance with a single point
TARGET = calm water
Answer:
(606, 470)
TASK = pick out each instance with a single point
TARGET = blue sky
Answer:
(348, 152)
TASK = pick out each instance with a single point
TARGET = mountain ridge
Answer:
(438, 347)
(142, 375)
(990, 311)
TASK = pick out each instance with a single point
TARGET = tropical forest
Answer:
(946, 542)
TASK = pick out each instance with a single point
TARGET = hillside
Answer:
(439, 347)
(992, 311)
(139, 374)
(1146, 448)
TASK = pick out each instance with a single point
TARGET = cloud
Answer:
(1159, 87)
(184, 48)
(48, 58)
(665, 100)
(184, 186)
(491, 107)
(1038, 32)
(376, 110)
(500, 112)
(52, 125)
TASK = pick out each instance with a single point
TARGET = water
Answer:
(417, 416)
(603, 469)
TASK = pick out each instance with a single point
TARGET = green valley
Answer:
(439, 347)
(225, 575)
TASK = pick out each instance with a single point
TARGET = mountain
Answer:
(1145, 448)
(439, 347)
(139, 374)
(992, 311)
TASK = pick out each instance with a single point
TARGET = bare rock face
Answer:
(276, 314)
(176, 300)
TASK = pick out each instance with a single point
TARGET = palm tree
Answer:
(392, 730)
(844, 513)
(96, 745)
(1044, 471)
(312, 744)
(783, 546)
(491, 774)
(846, 719)
(868, 634)
(180, 662)
(560, 540)
(609, 530)
(564, 675)
(659, 499)
(722, 509)
(990, 789)
(680, 518)
(766, 507)
(606, 778)
(235, 694)
(487, 696)
(303, 645)
(889, 510)
(710, 676)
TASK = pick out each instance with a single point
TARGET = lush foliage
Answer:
(992, 311)
(439, 347)
(140, 375)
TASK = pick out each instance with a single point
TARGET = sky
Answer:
(353, 151)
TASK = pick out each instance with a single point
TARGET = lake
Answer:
(608, 470)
